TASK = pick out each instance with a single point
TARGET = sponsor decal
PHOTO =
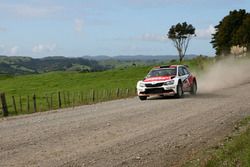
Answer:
(156, 79)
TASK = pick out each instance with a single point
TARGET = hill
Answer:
(135, 60)
(18, 65)
(26, 65)
(137, 57)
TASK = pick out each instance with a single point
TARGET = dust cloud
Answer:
(224, 74)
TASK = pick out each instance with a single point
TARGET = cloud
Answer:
(13, 50)
(79, 23)
(205, 33)
(25, 10)
(150, 37)
(8, 50)
(40, 48)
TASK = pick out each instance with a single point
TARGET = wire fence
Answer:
(24, 104)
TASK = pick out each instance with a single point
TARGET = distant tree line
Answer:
(232, 30)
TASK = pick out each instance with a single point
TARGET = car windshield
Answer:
(162, 72)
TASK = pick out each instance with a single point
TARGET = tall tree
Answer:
(226, 32)
(181, 35)
(242, 35)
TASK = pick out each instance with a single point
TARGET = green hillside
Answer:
(17, 65)
(25, 65)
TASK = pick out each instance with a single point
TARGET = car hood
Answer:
(155, 79)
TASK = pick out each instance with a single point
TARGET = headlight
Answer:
(171, 82)
(141, 84)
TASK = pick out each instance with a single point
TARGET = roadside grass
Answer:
(77, 88)
(234, 152)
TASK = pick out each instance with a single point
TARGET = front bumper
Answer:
(164, 90)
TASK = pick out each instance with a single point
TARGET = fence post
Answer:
(64, 99)
(81, 97)
(20, 103)
(93, 95)
(4, 104)
(127, 92)
(68, 98)
(51, 101)
(34, 101)
(59, 100)
(28, 103)
(109, 94)
(73, 100)
(14, 104)
(104, 95)
(47, 99)
(117, 92)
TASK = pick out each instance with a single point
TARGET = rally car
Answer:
(171, 80)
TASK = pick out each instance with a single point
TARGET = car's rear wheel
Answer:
(179, 90)
(194, 88)
(143, 97)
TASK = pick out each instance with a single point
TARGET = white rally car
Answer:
(167, 80)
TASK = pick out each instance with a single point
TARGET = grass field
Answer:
(234, 152)
(76, 88)
(71, 81)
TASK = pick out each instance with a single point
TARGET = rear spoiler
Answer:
(168, 66)
(164, 66)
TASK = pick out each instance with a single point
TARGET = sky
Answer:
(75, 28)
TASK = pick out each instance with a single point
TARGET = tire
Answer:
(143, 98)
(194, 88)
(179, 90)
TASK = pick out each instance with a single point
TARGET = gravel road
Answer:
(128, 132)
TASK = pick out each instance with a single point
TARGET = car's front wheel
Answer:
(179, 90)
(143, 97)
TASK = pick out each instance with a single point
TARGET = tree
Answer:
(226, 32)
(242, 35)
(181, 35)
